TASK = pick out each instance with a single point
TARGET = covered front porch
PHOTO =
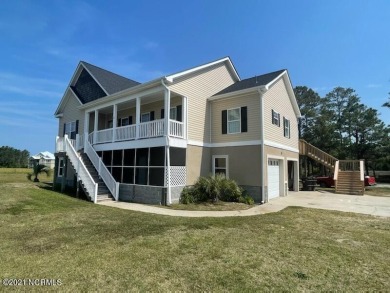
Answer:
(139, 117)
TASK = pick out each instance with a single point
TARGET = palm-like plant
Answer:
(38, 169)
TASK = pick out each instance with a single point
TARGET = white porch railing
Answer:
(79, 142)
(104, 135)
(151, 129)
(103, 172)
(81, 170)
(126, 132)
(176, 128)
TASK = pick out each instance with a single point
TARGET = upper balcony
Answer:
(141, 130)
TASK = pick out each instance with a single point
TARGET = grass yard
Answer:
(377, 191)
(88, 247)
(209, 206)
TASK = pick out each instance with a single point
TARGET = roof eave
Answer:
(172, 77)
(236, 93)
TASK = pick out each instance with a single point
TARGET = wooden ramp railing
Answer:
(316, 154)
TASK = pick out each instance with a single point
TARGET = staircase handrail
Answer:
(102, 170)
(305, 148)
(82, 173)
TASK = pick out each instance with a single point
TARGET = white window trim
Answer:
(227, 120)
(72, 128)
(146, 113)
(60, 168)
(276, 119)
(286, 127)
(226, 157)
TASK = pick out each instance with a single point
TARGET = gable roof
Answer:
(45, 155)
(251, 82)
(111, 82)
(225, 60)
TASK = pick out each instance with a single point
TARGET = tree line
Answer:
(342, 126)
(13, 158)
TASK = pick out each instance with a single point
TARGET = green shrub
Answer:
(214, 188)
(187, 196)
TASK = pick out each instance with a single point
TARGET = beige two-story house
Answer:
(143, 142)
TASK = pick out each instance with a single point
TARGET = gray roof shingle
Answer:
(110, 81)
(251, 82)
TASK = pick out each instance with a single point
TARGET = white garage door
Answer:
(273, 178)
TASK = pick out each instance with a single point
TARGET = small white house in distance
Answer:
(43, 158)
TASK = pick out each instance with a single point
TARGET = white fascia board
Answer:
(141, 143)
(64, 100)
(290, 91)
(170, 78)
(238, 93)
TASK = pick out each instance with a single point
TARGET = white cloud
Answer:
(374, 85)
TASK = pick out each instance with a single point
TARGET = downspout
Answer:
(167, 155)
(262, 90)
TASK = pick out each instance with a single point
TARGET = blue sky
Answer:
(323, 44)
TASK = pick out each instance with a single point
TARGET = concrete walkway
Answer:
(370, 205)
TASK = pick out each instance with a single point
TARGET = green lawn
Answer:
(45, 234)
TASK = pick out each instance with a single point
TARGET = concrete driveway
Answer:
(370, 205)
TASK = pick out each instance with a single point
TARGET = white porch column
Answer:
(184, 116)
(167, 107)
(114, 121)
(137, 116)
(86, 124)
(95, 126)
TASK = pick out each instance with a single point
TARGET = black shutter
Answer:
(224, 121)
(162, 114)
(63, 132)
(130, 120)
(77, 126)
(152, 116)
(278, 119)
(272, 117)
(244, 119)
(178, 113)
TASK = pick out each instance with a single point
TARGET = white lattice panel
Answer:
(178, 176)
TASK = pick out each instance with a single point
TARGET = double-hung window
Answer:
(221, 165)
(234, 120)
(286, 126)
(70, 129)
(275, 118)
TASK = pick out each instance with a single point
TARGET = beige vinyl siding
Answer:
(252, 102)
(277, 99)
(71, 113)
(197, 89)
